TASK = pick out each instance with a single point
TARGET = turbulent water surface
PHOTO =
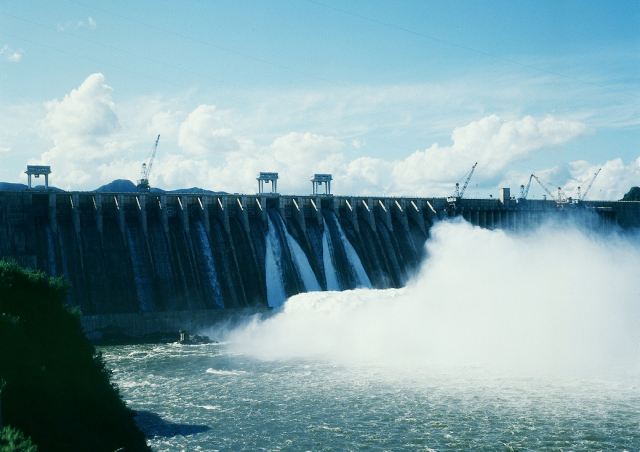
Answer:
(206, 398)
(516, 342)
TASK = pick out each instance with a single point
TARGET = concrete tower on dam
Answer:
(148, 252)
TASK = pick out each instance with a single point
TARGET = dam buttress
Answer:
(147, 252)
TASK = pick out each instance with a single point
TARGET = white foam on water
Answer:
(225, 373)
(555, 300)
(209, 407)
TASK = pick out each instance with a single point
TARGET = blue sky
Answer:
(392, 97)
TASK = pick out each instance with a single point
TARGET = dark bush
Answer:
(13, 440)
(58, 390)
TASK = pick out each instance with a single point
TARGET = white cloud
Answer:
(204, 132)
(615, 179)
(492, 142)
(94, 141)
(88, 23)
(83, 119)
(294, 155)
(11, 55)
(303, 151)
(81, 127)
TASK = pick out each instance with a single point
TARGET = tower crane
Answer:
(143, 183)
(524, 191)
(584, 195)
(459, 192)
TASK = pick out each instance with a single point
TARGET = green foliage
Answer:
(632, 195)
(58, 389)
(13, 440)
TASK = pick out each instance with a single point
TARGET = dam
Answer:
(176, 257)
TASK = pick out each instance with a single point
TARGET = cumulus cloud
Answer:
(90, 146)
(294, 155)
(10, 54)
(491, 141)
(613, 181)
(204, 132)
(80, 125)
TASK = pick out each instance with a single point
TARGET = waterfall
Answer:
(51, 252)
(138, 269)
(327, 259)
(276, 295)
(301, 262)
(353, 258)
(209, 264)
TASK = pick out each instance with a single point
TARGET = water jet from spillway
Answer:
(549, 301)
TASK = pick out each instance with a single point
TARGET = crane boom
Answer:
(143, 183)
(544, 187)
(524, 191)
(153, 156)
(466, 182)
(584, 195)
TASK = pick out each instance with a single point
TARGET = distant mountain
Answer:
(118, 186)
(126, 186)
(201, 191)
(8, 186)
(632, 195)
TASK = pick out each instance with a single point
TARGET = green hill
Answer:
(57, 389)
(632, 195)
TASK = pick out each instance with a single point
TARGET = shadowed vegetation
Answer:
(58, 390)
(632, 195)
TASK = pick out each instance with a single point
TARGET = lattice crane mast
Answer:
(143, 183)
(459, 192)
(586, 192)
(524, 191)
(545, 188)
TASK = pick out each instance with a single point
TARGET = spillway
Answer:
(127, 254)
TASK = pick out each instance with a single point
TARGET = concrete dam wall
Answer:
(149, 253)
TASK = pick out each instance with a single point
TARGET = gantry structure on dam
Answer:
(505, 211)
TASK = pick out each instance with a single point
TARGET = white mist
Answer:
(555, 300)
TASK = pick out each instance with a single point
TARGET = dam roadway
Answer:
(143, 262)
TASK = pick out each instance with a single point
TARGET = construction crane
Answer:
(560, 198)
(459, 192)
(143, 183)
(545, 188)
(586, 192)
(524, 191)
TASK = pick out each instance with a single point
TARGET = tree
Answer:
(58, 389)
(13, 440)
(632, 195)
